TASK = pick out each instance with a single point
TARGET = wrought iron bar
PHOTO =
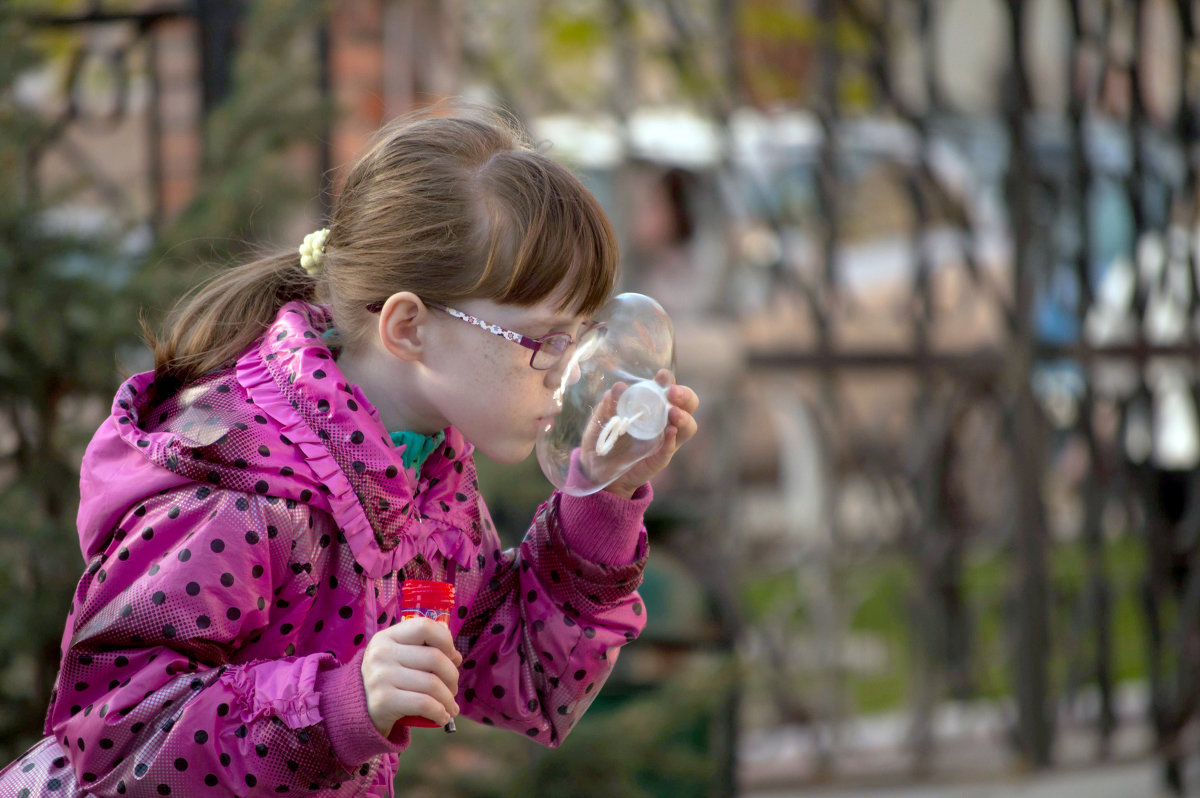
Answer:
(1031, 679)
(1097, 592)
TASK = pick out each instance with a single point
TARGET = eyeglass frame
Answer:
(534, 344)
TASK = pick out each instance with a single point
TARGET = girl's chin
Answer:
(507, 455)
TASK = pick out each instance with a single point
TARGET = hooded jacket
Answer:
(246, 537)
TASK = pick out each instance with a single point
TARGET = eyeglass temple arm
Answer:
(494, 329)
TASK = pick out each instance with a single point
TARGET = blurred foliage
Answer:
(654, 743)
(69, 306)
(63, 316)
(513, 494)
(674, 54)
(881, 593)
(779, 22)
(569, 34)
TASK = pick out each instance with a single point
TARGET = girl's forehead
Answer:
(559, 307)
(544, 313)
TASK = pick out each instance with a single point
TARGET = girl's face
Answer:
(483, 384)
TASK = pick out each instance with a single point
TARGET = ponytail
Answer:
(211, 325)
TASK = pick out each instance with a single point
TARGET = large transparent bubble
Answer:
(613, 397)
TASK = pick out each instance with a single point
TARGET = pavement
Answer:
(971, 757)
(1123, 780)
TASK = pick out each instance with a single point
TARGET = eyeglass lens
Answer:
(555, 346)
(551, 351)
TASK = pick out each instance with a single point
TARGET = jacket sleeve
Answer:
(550, 617)
(154, 695)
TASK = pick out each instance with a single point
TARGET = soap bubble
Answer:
(612, 397)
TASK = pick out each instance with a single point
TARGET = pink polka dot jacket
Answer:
(245, 538)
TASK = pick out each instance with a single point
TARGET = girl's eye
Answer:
(558, 342)
(551, 350)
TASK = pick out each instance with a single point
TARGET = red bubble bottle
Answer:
(435, 600)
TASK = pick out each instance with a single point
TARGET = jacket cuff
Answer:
(344, 707)
(603, 527)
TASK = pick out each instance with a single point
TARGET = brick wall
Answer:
(179, 119)
(388, 57)
(356, 75)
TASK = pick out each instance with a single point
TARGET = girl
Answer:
(304, 444)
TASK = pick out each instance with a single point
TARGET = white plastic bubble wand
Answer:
(615, 428)
(641, 413)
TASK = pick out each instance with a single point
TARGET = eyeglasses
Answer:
(547, 350)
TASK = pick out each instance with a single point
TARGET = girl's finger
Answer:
(604, 410)
(423, 659)
(423, 632)
(384, 681)
(406, 703)
(684, 423)
(683, 397)
(412, 681)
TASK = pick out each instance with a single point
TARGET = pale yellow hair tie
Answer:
(312, 251)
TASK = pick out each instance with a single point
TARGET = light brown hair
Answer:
(448, 207)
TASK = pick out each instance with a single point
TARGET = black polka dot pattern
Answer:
(246, 556)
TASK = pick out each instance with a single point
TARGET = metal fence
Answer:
(1074, 336)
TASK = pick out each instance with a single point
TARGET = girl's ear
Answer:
(401, 325)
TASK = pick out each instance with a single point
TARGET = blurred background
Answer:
(933, 269)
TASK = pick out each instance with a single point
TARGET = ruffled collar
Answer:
(389, 513)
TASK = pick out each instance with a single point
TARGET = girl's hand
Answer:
(681, 426)
(411, 669)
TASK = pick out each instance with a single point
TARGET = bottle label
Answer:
(441, 616)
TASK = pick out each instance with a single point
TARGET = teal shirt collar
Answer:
(417, 447)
